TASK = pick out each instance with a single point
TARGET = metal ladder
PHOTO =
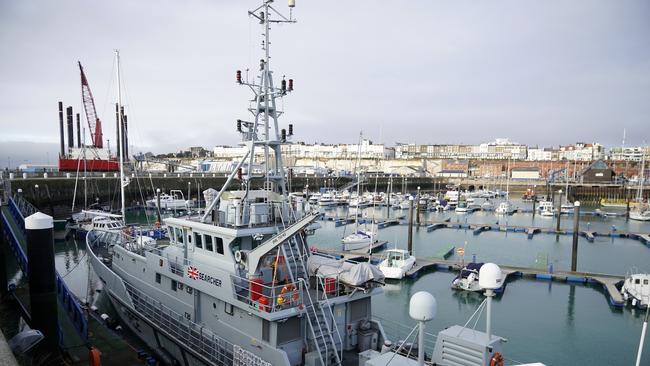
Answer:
(319, 314)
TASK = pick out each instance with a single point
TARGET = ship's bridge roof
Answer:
(252, 195)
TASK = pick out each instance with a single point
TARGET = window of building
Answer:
(198, 240)
(174, 285)
(208, 243)
(219, 245)
(158, 277)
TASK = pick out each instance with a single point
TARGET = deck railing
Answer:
(212, 348)
(267, 298)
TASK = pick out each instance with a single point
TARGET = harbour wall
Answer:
(51, 194)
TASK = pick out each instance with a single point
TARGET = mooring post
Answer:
(627, 209)
(42, 278)
(576, 222)
(534, 203)
(410, 235)
(559, 211)
(417, 216)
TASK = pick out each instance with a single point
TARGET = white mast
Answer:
(356, 216)
(639, 192)
(121, 131)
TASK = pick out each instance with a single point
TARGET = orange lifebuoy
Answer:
(497, 359)
(294, 296)
(94, 357)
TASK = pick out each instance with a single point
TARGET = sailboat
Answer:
(566, 207)
(641, 212)
(359, 239)
(505, 207)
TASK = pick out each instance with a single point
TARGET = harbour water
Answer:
(552, 322)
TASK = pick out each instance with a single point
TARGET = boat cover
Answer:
(352, 274)
(469, 268)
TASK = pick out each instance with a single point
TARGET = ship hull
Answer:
(167, 349)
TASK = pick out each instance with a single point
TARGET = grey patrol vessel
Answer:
(237, 284)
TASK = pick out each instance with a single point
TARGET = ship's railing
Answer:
(265, 298)
(327, 287)
(213, 348)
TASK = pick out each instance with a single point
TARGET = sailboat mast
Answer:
(356, 216)
(639, 192)
(120, 132)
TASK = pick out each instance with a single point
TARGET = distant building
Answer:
(581, 151)
(597, 172)
(495, 150)
(540, 154)
(452, 173)
(525, 173)
(631, 153)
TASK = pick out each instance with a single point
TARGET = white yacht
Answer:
(636, 289)
(640, 214)
(237, 283)
(546, 208)
(396, 263)
(172, 201)
(468, 279)
(327, 199)
(505, 208)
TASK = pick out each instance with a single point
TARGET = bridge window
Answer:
(197, 240)
(174, 285)
(219, 245)
(208, 243)
(158, 277)
(179, 235)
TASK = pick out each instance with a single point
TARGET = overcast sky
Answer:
(543, 72)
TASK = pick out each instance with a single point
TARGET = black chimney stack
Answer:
(78, 131)
(61, 130)
(68, 112)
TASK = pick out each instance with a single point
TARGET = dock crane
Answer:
(94, 123)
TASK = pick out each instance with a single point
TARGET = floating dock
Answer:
(608, 282)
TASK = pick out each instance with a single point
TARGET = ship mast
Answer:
(257, 133)
(120, 132)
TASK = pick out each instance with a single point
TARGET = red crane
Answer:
(94, 124)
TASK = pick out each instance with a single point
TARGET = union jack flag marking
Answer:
(192, 272)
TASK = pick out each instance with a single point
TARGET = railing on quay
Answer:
(66, 298)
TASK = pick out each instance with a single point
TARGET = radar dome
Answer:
(422, 306)
(490, 277)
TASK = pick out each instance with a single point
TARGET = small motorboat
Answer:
(505, 208)
(396, 263)
(636, 289)
(467, 279)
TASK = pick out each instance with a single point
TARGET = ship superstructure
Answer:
(237, 284)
